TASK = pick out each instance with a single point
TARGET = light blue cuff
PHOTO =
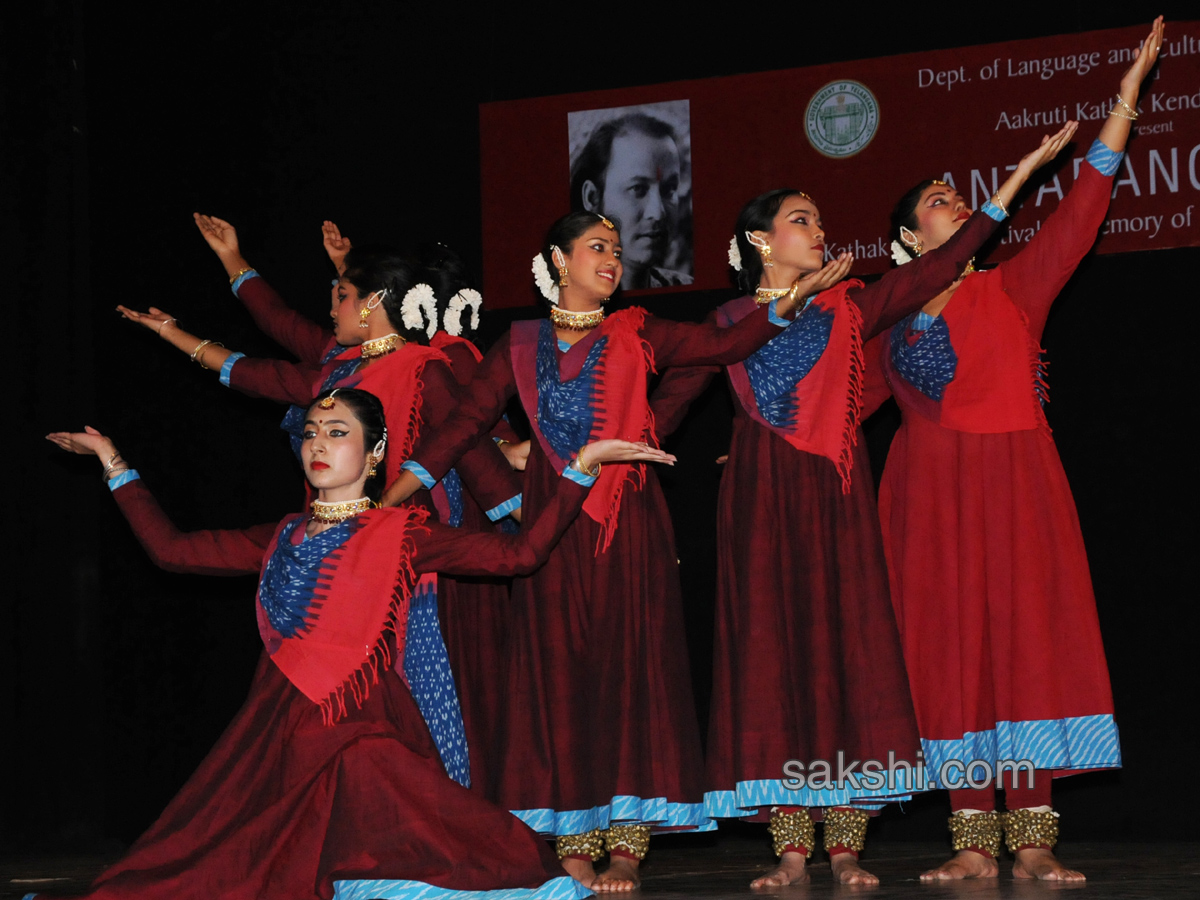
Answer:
(227, 366)
(123, 478)
(1103, 159)
(922, 321)
(993, 212)
(420, 471)
(775, 319)
(578, 477)
(496, 513)
(242, 279)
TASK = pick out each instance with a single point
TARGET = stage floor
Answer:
(721, 870)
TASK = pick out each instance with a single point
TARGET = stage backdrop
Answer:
(853, 135)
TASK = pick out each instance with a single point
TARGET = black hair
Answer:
(369, 412)
(397, 274)
(905, 213)
(565, 232)
(757, 215)
(592, 162)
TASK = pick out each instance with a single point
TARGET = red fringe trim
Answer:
(855, 377)
(333, 707)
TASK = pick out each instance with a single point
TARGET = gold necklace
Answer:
(763, 296)
(570, 320)
(378, 347)
(333, 513)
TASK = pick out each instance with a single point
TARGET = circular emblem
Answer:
(841, 118)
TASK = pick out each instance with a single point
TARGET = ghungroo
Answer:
(845, 828)
(1024, 828)
(629, 840)
(795, 830)
(589, 844)
(978, 831)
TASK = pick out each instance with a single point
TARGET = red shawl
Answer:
(617, 402)
(827, 400)
(359, 592)
(998, 381)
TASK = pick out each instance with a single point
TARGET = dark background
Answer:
(118, 123)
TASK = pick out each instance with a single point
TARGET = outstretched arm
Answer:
(208, 552)
(455, 552)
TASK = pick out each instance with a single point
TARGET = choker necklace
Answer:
(378, 347)
(575, 321)
(333, 513)
(763, 296)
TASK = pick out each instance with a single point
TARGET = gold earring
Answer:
(363, 315)
(371, 474)
(910, 238)
(766, 257)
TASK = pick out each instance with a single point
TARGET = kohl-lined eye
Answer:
(309, 434)
(337, 432)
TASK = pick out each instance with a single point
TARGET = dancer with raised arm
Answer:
(327, 783)
(807, 665)
(600, 741)
(988, 569)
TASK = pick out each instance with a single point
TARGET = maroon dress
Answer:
(807, 662)
(287, 806)
(471, 610)
(598, 724)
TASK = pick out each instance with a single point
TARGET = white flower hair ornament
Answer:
(735, 255)
(546, 285)
(452, 320)
(418, 308)
(899, 255)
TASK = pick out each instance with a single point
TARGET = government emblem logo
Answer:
(841, 119)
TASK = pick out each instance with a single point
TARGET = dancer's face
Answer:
(797, 237)
(594, 265)
(940, 212)
(333, 452)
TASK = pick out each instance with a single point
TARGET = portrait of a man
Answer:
(632, 164)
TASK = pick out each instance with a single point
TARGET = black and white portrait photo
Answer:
(633, 165)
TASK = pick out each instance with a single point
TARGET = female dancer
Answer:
(400, 304)
(989, 573)
(599, 736)
(807, 661)
(327, 784)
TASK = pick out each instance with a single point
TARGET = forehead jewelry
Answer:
(606, 222)
(328, 402)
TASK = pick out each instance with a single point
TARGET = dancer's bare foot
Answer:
(1040, 863)
(620, 876)
(846, 870)
(964, 864)
(792, 869)
(581, 870)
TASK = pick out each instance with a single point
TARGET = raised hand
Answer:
(612, 450)
(1047, 150)
(156, 320)
(219, 234)
(335, 245)
(1131, 81)
(815, 282)
(89, 441)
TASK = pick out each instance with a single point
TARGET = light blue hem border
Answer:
(748, 798)
(562, 888)
(1078, 742)
(496, 513)
(657, 812)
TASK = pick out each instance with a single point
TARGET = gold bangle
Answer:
(1120, 115)
(240, 273)
(197, 354)
(996, 202)
(1133, 113)
(581, 466)
(164, 323)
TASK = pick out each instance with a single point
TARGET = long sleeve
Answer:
(907, 288)
(673, 396)
(876, 390)
(483, 468)
(707, 343)
(286, 327)
(275, 379)
(480, 404)
(454, 551)
(210, 552)
(1036, 275)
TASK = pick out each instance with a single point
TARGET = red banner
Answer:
(676, 162)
